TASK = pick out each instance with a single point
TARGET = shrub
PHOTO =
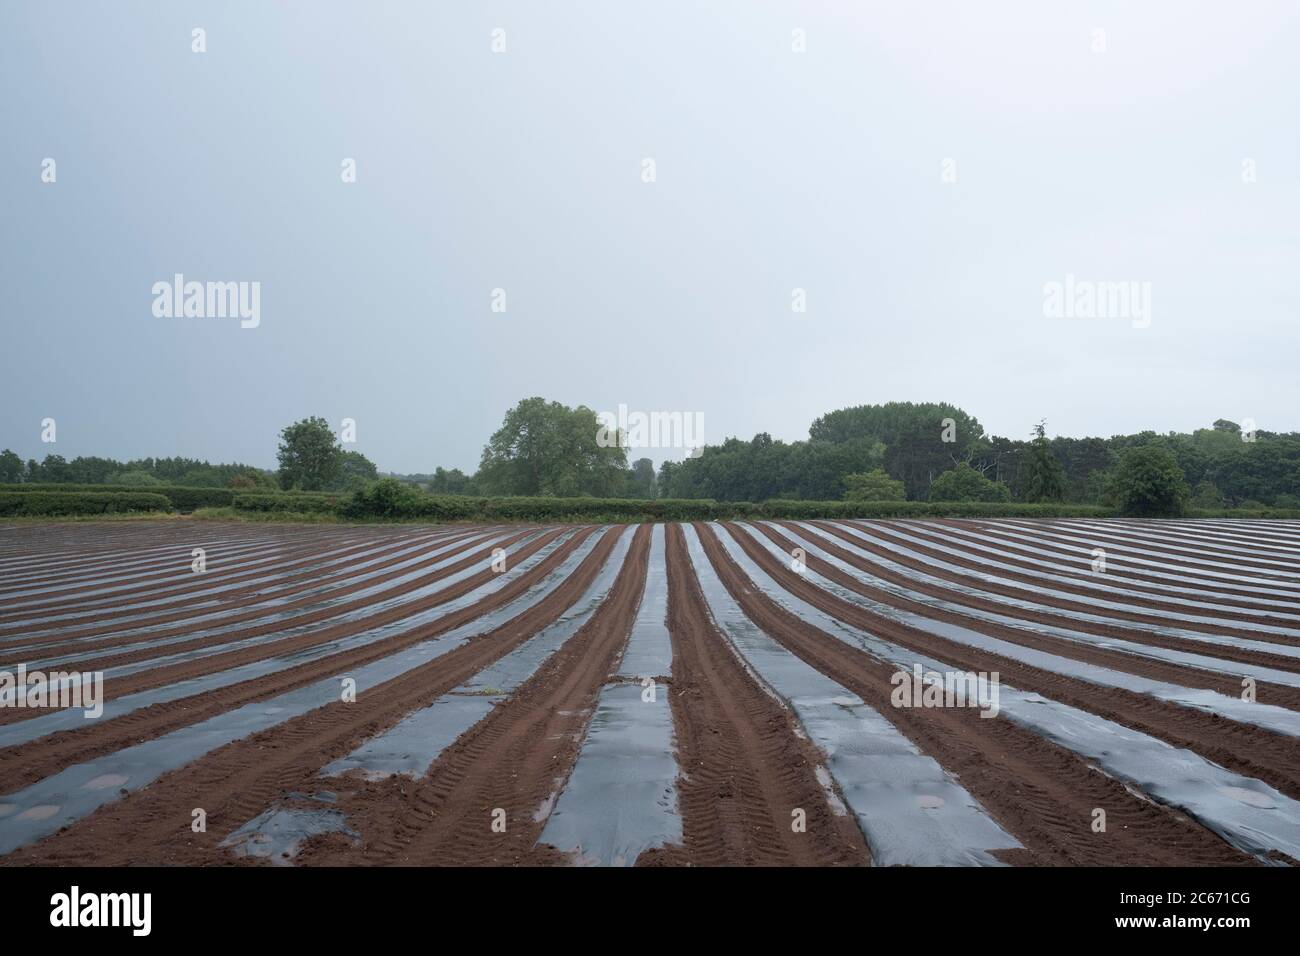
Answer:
(385, 498)
(875, 485)
(964, 483)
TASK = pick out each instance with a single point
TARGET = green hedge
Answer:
(188, 499)
(602, 509)
(315, 504)
(385, 500)
(394, 501)
(927, 509)
(1243, 513)
(179, 498)
(40, 503)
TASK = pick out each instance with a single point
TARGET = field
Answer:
(1069, 691)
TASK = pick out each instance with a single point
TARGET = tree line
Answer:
(928, 451)
(311, 458)
(896, 451)
(938, 452)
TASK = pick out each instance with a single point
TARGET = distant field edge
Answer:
(78, 501)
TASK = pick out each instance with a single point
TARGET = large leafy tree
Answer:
(310, 457)
(644, 484)
(668, 475)
(1043, 476)
(965, 483)
(1148, 483)
(546, 448)
(921, 439)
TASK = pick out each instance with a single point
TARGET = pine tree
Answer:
(1044, 476)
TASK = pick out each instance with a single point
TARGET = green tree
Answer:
(546, 448)
(453, 482)
(1148, 483)
(55, 468)
(355, 471)
(1085, 461)
(764, 468)
(1043, 476)
(310, 457)
(965, 483)
(92, 471)
(11, 468)
(1261, 471)
(644, 484)
(668, 475)
(920, 439)
(874, 485)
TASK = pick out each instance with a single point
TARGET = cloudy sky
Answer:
(1113, 142)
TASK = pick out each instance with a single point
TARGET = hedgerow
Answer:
(393, 500)
(1243, 513)
(303, 503)
(187, 499)
(927, 509)
(179, 498)
(49, 504)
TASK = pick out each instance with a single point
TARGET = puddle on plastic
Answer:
(278, 834)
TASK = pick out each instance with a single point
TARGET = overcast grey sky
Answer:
(522, 170)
